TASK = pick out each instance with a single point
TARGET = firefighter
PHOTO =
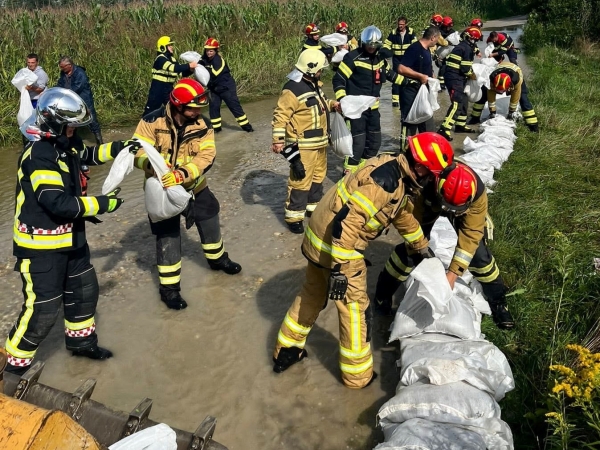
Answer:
(300, 122)
(507, 77)
(222, 88)
(477, 23)
(352, 43)
(313, 33)
(397, 43)
(459, 68)
(362, 205)
(165, 72)
(362, 72)
(503, 46)
(445, 31)
(49, 239)
(436, 21)
(179, 133)
(460, 195)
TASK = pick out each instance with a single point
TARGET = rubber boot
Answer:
(288, 356)
(387, 286)
(226, 265)
(173, 300)
(99, 139)
(93, 352)
(247, 128)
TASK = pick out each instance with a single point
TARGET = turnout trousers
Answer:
(526, 107)
(303, 195)
(203, 211)
(366, 137)
(227, 94)
(407, 98)
(483, 267)
(157, 96)
(52, 280)
(354, 313)
(457, 112)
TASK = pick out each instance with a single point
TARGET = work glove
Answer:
(172, 178)
(337, 286)
(131, 145)
(292, 154)
(511, 116)
(473, 76)
(492, 115)
(113, 201)
(424, 253)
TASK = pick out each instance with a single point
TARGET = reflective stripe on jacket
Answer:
(516, 77)
(166, 69)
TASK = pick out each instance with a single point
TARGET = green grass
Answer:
(261, 40)
(546, 208)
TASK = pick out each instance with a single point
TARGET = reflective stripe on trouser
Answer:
(50, 280)
(228, 95)
(526, 107)
(442, 71)
(366, 136)
(395, 93)
(356, 359)
(457, 112)
(302, 193)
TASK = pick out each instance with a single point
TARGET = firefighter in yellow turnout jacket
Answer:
(300, 122)
(49, 238)
(350, 215)
(181, 136)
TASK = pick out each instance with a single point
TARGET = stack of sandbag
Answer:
(451, 378)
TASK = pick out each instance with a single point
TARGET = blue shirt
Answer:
(418, 59)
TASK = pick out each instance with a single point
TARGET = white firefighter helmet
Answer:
(311, 61)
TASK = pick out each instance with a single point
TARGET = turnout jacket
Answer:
(459, 63)
(516, 77)
(50, 209)
(396, 45)
(301, 115)
(358, 209)
(469, 226)
(504, 44)
(361, 73)
(166, 69)
(220, 75)
(189, 148)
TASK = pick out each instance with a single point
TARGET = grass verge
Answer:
(546, 211)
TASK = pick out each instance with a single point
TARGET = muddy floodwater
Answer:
(215, 357)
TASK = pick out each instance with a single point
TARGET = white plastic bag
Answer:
(158, 437)
(121, 167)
(454, 38)
(423, 434)
(434, 87)
(339, 56)
(341, 138)
(473, 91)
(421, 109)
(354, 105)
(489, 50)
(200, 71)
(334, 39)
(21, 80)
(24, 77)
(162, 203)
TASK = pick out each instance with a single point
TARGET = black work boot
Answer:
(217, 129)
(226, 265)
(445, 133)
(474, 120)
(93, 352)
(99, 139)
(384, 292)
(16, 370)
(173, 299)
(247, 128)
(464, 129)
(502, 316)
(288, 357)
(395, 104)
(296, 227)
(534, 128)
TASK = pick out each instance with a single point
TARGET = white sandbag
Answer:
(24, 77)
(483, 73)
(354, 105)
(421, 109)
(421, 434)
(334, 39)
(490, 62)
(443, 240)
(434, 88)
(121, 167)
(339, 56)
(473, 91)
(454, 38)
(443, 52)
(499, 121)
(158, 437)
(162, 203)
(21, 80)
(476, 362)
(489, 50)
(200, 71)
(498, 141)
(341, 138)
(501, 131)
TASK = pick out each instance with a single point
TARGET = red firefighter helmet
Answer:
(456, 188)
(311, 29)
(474, 33)
(431, 150)
(211, 44)
(341, 27)
(437, 20)
(447, 21)
(477, 23)
(188, 92)
(502, 83)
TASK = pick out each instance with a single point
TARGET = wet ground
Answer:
(215, 356)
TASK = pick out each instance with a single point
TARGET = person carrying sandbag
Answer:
(459, 194)
(300, 123)
(178, 131)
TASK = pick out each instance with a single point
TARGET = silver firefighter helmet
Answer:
(371, 36)
(58, 107)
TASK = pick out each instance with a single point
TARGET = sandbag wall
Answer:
(451, 378)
